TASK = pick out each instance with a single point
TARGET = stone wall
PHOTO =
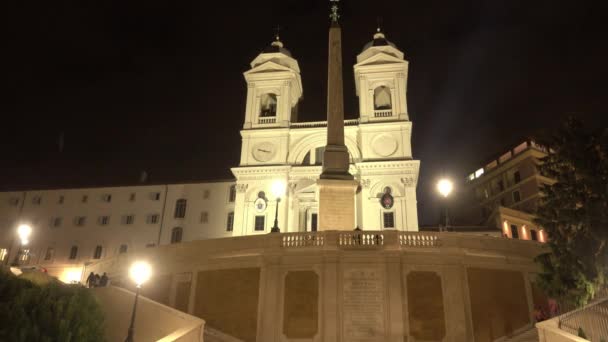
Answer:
(344, 286)
(154, 322)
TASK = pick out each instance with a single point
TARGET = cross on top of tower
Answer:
(334, 15)
(277, 38)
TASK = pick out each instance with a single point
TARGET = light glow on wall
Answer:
(479, 173)
(524, 233)
(71, 275)
(541, 236)
(505, 228)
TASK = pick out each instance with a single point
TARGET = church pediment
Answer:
(380, 58)
(268, 66)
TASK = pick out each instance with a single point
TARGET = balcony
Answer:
(383, 113)
(267, 120)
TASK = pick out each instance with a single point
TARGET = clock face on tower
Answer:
(264, 151)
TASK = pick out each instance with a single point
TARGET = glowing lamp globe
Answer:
(140, 272)
(278, 188)
(24, 231)
(445, 187)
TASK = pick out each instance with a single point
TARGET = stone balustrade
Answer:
(361, 239)
(314, 124)
(383, 113)
(267, 120)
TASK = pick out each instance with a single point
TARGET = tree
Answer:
(49, 312)
(574, 213)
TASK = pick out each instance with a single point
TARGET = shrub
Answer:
(49, 312)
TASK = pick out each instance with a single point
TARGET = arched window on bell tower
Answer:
(268, 103)
(383, 104)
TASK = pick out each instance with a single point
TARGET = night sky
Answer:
(157, 85)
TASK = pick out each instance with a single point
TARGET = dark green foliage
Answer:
(51, 312)
(574, 213)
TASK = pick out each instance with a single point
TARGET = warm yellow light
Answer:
(24, 231)
(278, 188)
(445, 187)
(140, 272)
(71, 275)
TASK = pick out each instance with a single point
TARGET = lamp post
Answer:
(445, 187)
(140, 273)
(278, 190)
(24, 231)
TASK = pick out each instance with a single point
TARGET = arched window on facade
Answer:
(176, 235)
(268, 105)
(382, 98)
(232, 194)
(180, 208)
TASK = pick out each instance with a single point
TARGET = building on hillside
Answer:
(504, 193)
(73, 227)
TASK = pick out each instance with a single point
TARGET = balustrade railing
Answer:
(268, 120)
(383, 113)
(303, 240)
(357, 239)
(418, 240)
(313, 124)
(590, 321)
(374, 239)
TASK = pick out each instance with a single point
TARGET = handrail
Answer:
(592, 320)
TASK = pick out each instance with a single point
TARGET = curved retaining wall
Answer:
(343, 286)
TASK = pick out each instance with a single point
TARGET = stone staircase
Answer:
(530, 335)
(213, 335)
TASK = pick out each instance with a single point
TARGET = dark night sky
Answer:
(157, 85)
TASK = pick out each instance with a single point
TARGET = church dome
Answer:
(277, 53)
(277, 47)
(379, 40)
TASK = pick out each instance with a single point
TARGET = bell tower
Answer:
(274, 88)
(381, 81)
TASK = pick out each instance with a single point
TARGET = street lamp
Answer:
(445, 187)
(278, 190)
(24, 231)
(140, 273)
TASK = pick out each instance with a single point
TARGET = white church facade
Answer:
(276, 146)
(76, 226)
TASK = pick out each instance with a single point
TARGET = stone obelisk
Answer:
(336, 185)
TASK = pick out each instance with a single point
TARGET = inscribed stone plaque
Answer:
(301, 304)
(158, 289)
(499, 305)
(182, 295)
(363, 305)
(425, 306)
(228, 301)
